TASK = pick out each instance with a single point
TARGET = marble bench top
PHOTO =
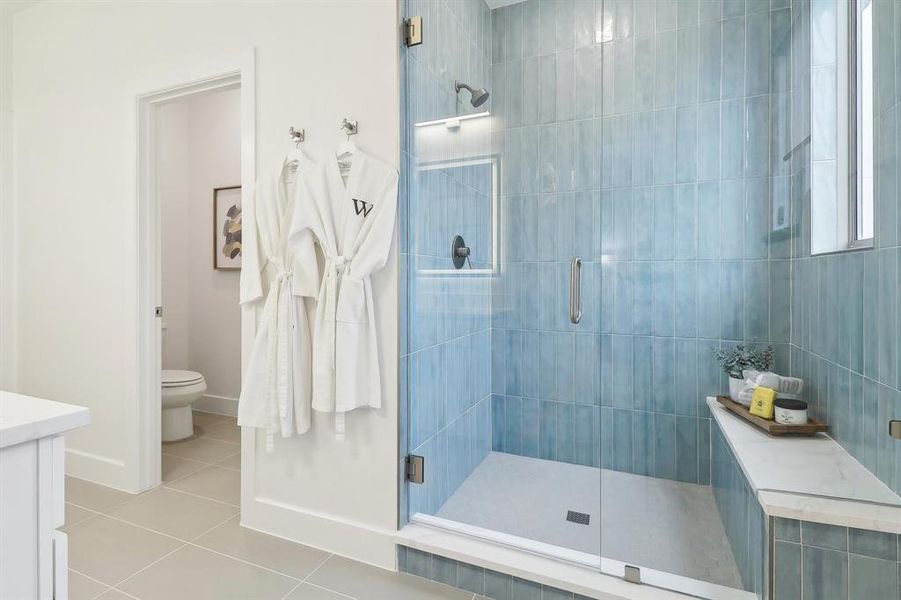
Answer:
(25, 418)
(810, 478)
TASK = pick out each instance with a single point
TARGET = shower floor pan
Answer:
(656, 523)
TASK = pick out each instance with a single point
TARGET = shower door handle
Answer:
(575, 290)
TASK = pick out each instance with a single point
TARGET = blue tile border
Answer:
(485, 582)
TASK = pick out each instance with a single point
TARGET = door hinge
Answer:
(894, 429)
(412, 31)
(159, 311)
(415, 471)
(633, 574)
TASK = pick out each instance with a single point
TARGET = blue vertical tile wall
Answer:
(665, 146)
(743, 519)
(653, 165)
(812, 560)
(845, 329)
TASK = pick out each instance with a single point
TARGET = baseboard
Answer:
(222, 405)
(99, 469)
(356, 541)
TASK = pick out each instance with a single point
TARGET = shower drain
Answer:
(577, 517)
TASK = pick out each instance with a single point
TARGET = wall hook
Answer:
(349, 128)
(297, 136)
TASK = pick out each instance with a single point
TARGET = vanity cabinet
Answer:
(33, 554)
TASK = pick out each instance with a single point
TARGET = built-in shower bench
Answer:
(807, 518)
(808, 478)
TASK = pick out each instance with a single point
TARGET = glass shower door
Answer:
(502, 387)
(555, 373)
(449, 249)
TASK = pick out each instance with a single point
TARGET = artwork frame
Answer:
(227, 227)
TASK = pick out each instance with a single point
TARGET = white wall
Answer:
(7, 245)
(198, 149)
(8, 235)
(78, 69)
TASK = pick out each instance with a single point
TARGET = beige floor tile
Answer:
(371, 583)
(217, 483)
(232, 462)
(93, 496)
(175, 467)
(271, 552)
(115, 595)
(110, 551)
(201, 448)
(197, 574)
(75, 515)
(82, 588)
(205, 419)
(173, 513)
(226, 432)
(311, 592)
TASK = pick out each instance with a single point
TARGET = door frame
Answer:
(146, 439)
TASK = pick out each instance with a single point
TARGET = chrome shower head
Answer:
(479, 95)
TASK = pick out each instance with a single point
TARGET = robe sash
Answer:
(335, 267)
(278, 309)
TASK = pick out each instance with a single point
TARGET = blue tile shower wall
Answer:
(743, 518)
(585, 120)
(446, 337)
(647, 138)
(827, 562)
(846, 329)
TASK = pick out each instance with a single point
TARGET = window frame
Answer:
(855, 132)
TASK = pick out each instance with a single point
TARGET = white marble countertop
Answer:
(810, 478)
(24, 418)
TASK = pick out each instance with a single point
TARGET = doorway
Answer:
(195, 169)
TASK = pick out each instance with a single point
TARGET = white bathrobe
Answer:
(276, 389)
(353, 224)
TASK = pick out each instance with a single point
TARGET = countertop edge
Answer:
(59, 419)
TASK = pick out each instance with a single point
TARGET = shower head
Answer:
(479, 95)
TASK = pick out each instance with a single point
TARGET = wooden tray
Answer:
(772, 427)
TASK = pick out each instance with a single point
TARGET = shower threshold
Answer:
(671, 530)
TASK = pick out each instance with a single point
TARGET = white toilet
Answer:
(180, 390)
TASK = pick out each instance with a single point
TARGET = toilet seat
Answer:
(176, 378)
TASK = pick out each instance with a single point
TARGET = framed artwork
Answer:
(227, 228)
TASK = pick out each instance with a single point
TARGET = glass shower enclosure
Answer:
(574, 247)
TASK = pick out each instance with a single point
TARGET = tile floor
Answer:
(645, 521)
(182, 540)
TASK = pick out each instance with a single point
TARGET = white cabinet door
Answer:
(19, 526)
(33, 554)
(60, 566)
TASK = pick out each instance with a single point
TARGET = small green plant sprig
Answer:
(742, 357)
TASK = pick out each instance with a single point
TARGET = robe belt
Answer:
(334, 268)
(278, 348)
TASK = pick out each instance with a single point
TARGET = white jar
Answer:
(735, 387)
(791, 412)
